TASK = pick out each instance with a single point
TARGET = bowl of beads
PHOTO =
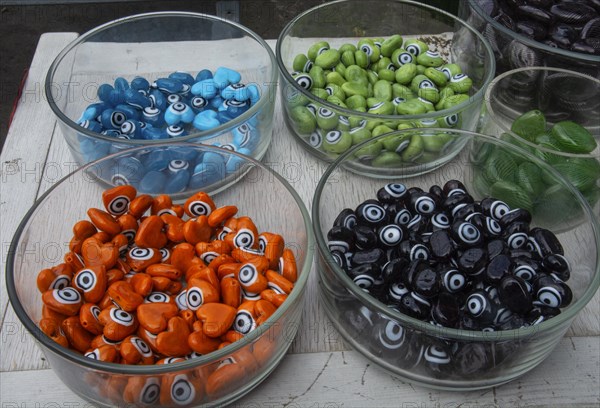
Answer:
(553, 33)
(553, 113)
(158, 301)
(438, 280)
(166, 76)
(352, 70)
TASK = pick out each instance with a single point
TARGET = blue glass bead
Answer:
(182, 77)
(173, 98)
(198, 103)
(112, 118)
(204, 74)
(177, 182)
(104, 92)
(153, 116)
(93, 111)
(186, 91)
(177, 165)
(204, 176)
(132, 128)
(239, 92)
(136, 99)
(215, 102)
(179, 112)
(245, 136)
(140, 84)
(154, 133)
(116, 97)
(129, 111)
(225, 76)
(235, 108)
(157, 160)
(254, 93)
(213, 160)
(121, 84)
(234, 163)
(91, 125)
(158, 100)
(206, 120)
(168, 85)
(111, 132)
(206, 88)
(183, 153)
(230, 146)
(127, 170)
(176, 131)
(153, 182)
(223, 117)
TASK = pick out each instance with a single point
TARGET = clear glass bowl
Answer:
(38, 244)
(347, 21)
(560, 95)
(478, 359)
(153, 45)
(513, 50)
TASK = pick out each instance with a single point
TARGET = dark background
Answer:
(22, 25)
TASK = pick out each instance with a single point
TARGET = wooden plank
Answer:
(346, 379)
(26, 148)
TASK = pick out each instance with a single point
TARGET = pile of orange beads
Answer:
(149, 282)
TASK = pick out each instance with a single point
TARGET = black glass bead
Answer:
(371, 213)
(395, 292)
(494, 208)
(391, 271)
(513, 322)
(503, 316)
(414, 190)
(445, 310)
(558, 266)
(472, 261)
(496, 247)
(550, 293)
(439, 221)
(540, 314)
(498, 267)
(436, 356)
(452, 187)
(390, 235)
(516, 215)
(417, 251)
(574, 13)
(517, 240)
(471, 358)
(506, 20)
(402, 216)
(340, 259)
(452, 280)
(527, 11)
(392, 193)
(525, 268)
(408, 275)
(441, 245)
(391, 338)
(465, 234)
(369, 256)
(414, 306)
(346, 218)
(426, 282)
(545, 4)
(364, 237)
(422, 203)
(591, 29)
(467, 210)
(466, 322)
(544, 242)
(480, 307)
(563, 35)
(455, 202)
(437, 193)
(521, 253)
(514, 294)
(340, 239)
(413, 354)
(364, 276)
(514, 228)
(532, 29)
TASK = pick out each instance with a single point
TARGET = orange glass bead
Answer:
(173, 227)
(92, 282)
(52, 329)
(197, 230)
(199, 204)
(144, 391)
(221, 214)
(141, 283)
(113, 275)
(272, 245)
(104, 221)
(107, 353)
(287, 265)
(88, 317)
(116, 200)
(161, 202)
(276, 298)
(263, 310)
(122, 294)
(216, 318)
(57, 277)
(231, 292)
(48, 313)
(174, 341)
(208, 251)
(134, 350)
(244, 236)
(200, 292)
(205, 273)
(189, 316)
(66, 301)
(224, 378)
(183, 256)
(200, 342)
(118, 323)
(74, 260)
(180, 390)
(164, 270)
(129, 226)
(95, 253)
(245, 318)
(228, 270)
(155, 316)
(279, 283)
(78, 337)
(251, 277)
(140, 258)
(139, 205)
(150, 234)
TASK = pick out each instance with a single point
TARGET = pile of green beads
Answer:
(393, 77)
(523, 184)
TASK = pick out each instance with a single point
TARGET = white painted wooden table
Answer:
(320, 370)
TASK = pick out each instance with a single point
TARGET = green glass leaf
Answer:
(511, 194)
(572, 137)
(529, 125)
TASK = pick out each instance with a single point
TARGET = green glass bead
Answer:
(500, 166)
(421, 69)
(554, 207)
(361, 58)
(406, 125)
(370, 151)
(511, 194)
(544, 137)
(367, 46)
(318, 77)
(449, 121)
(454, 100)
(356, 101)
(317, 49)
(583, 175)
(347, 58)
(381, 130)
(378, 41)
(359, 135)
(303, 119)
(302, 63)
(426, 123)
(327, 119)
(450, 70)
(529, 178)
(382, 108)
(430, 107)
(320, 93)
(411, 107)
(357, 121)
(401, 91)
(436, 76)
(336, 101)
(529, 125)
(347, 47)
(572, 137)
(387, 160)
(396, 143)
(336, 90)
(406, 73)
(446, 92)
(460, 83)
(335, 78)
(421, 81)
(383, 62)
(304, 80)
(340, 69)
(295, 98)
(548, 157)
(414, 149)
(430, 59)
(430, 94)
(401, 57)
(387, 74)
(382, 90)
(416, 47)
(391, 44)
(372, 77)
(343, 123)
(354, 73)
(355, 88)
(336, 141)
(434, 143)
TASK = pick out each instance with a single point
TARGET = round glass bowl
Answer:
(153, 46)
(424, 353)
(559, 95)
(348, 21)
(513, 50)
(38, 244)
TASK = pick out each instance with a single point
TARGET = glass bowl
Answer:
(348, 21)
(559, 95)
(513, 50)
(430, 354)
(42, 239)
(153, 46)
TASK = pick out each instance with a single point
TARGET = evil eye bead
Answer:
(132, 129)
(370, 213)
(153, 116)
(67, 296)
(194, 298)
(391, 192)
(402, 57)
(492, 227)
(440, 221)
(397, 290)
(176, 131)
(182, 390)
(494, 208)
(244, 323)
(198, 208)
(466, 234)
(423, 204)
(179, 112)
(315, 139)
(181, 300)
(112, 119)
(416, 47)
(392, 336)
(403, 217)
(390, 235)
(198, 103)
(141, 254)
(244, 238)
(85, 280)
(479, 306)
(177, 165)
(517, 240)
(346, 219)
(150, 392)
(453, 280)
(168, 85)
(304, 80)
(173, 98)
(157, 297)
(248, 275)
(419, 251)
(121, 317)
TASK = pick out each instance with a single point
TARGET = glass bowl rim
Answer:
(532, 43)
(492, 112)
(204, 135)
(365, 115)
(213, 357)
(438, 331)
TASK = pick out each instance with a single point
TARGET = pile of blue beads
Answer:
(169, 107)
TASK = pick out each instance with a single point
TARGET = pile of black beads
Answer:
(444, 258)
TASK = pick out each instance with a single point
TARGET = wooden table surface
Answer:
(319, 370)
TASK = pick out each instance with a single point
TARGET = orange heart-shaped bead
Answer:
(95, 253)
(174, 341)
(216, 318)
(154, 317)
(150, 233)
